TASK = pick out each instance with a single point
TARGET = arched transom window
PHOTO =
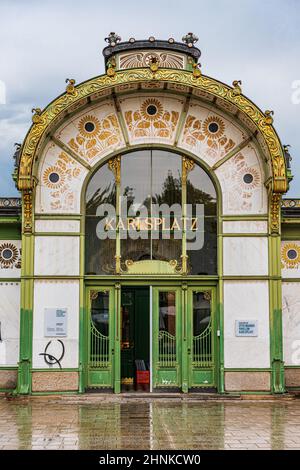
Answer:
(151, 206)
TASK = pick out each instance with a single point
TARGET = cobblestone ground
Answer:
(153, 424)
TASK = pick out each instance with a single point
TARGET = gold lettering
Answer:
(131, 223)
(149, 223)
(157, 222)
(194, 223)
(175, 225)
(108, 225)
(164, 224)
(120, 225)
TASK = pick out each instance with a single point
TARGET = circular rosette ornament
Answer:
(9, 254)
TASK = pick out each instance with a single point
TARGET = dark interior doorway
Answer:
(135, 341)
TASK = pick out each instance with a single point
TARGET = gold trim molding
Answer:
(59, 107)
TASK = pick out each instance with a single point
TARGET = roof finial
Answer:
(113, 39)
(287, 156)
(190, 39)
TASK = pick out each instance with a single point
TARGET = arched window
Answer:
(151, 205)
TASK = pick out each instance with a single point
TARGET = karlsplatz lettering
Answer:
(156, 222)
(151, 223)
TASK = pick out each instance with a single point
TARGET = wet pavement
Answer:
(49, 423)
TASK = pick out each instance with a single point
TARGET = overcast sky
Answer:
(43, 42)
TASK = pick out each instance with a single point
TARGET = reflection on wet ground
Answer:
(155, 424)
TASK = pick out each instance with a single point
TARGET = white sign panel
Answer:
(55, 322)
(246, 328)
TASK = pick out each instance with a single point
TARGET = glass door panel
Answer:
(201, 339)
(100, 337)
(166, 337)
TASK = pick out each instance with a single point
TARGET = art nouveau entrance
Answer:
(150, 231)
(171, 329)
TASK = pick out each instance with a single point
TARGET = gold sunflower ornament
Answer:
(151, 109)
(53, 177)
(89, 126)
(290, 255)
(9, 254)
(213, 127)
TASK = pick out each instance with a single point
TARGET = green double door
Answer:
(184, 342)
(171, 329)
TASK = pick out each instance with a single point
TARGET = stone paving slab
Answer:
(95, 422)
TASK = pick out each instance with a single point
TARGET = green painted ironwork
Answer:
(202, 348)
(99, 349)
(166, 349)
(98, 366)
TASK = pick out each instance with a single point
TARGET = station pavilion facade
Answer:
(102, 288)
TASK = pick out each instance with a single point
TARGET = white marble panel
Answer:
(246, 300)
(56, 294)
(243, 194)
(54, 255)
(290, 259)
(9, 323)
(210, 146)
(291, 322)
(57, 226)
(60, 182)
(245, 226)
(159, 127)
(10, 258)
(245, 256)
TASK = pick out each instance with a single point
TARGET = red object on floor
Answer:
(142, 376)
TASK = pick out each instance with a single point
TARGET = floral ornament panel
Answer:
(60, 182)
(93, 134)
(149, 119)
(142, 59)
(209, 135)
(290, 255)
(10, 256)
(242, 183)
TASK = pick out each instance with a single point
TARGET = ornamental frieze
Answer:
(58, 107)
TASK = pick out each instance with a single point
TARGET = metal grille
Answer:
(166, 349)
(202, 348)
(99, 349)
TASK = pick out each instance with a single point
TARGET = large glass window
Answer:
(151, 205)
(100, 239)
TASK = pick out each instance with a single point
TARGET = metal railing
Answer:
(202, 348)
(99, 349)
(166, 349)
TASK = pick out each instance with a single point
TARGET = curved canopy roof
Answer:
(151, 62)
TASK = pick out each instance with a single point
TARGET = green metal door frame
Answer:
(102, 376)
(166, 372)
(205, 374)
(184, 311)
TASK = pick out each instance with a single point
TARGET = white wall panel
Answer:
(57, 225)
(10, 323)
(56, 294)
(245, 226)
(291, 322)
(55, 255)
(245, 256)
(246, 300)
